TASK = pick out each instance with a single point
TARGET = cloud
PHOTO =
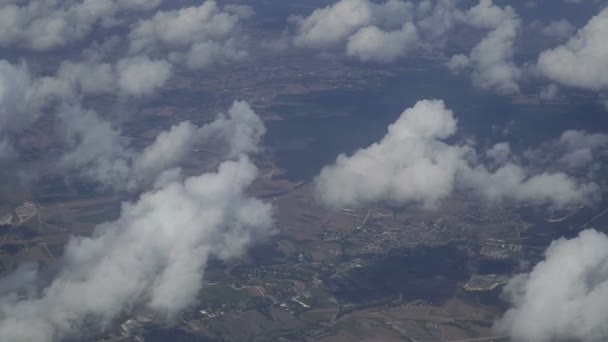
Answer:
(169, 148)
(333, 24)
(549, 93)
(203, 55)
(93, 146)
(373, 44)
(459, 62)
(384, 32)
(579, 147)
(499, 153)
(436, 18)
(138, 4)
(368, 31)
(362, 25)
(387, 31)
(241, 130)
(152, 257)
(49, 24)
(16, 96)
(88, 78)
(6, 150)
(486, 15)
(560, 29)
(491, 60)
(563, 297)
(94, 143)
(99, 155)
(581, 61)
(139, 76)
(23, 99)
(575, 150)
(193, 36)
(198, 35)
(413, 163)
(511, 181)
(582, 139)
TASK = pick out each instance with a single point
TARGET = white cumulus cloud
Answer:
(153, 256)
(582, 61)
(50, 24)
(197, 36)
(563, 298)
(413, 163)
(98, 154)
(491, 60)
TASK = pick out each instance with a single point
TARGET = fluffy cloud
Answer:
(581, 61)
(486, 15)
(436, 18)
(514, 182)
(413, 163)
(377, 32)
(194, 36)
(16, 96)
(563, 297)
(386, 31)
(241, 130)
(333, 24)
(153, 256)
(458, 63)
(48, 24)
(200, 36)
(87, 78)
(576, 151)
(94, 146)
(373, 44)
(22, 96)
(169, 148)
(99, 155)
(410, 163)
(6, 150)
(203, 55)
(23, 99)
(580, 147)
(499, 153)
(141, 76)
(131, 76)
(558, 29)
(491, 60)
(549, 93)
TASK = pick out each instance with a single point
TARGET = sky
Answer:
(58, 58)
